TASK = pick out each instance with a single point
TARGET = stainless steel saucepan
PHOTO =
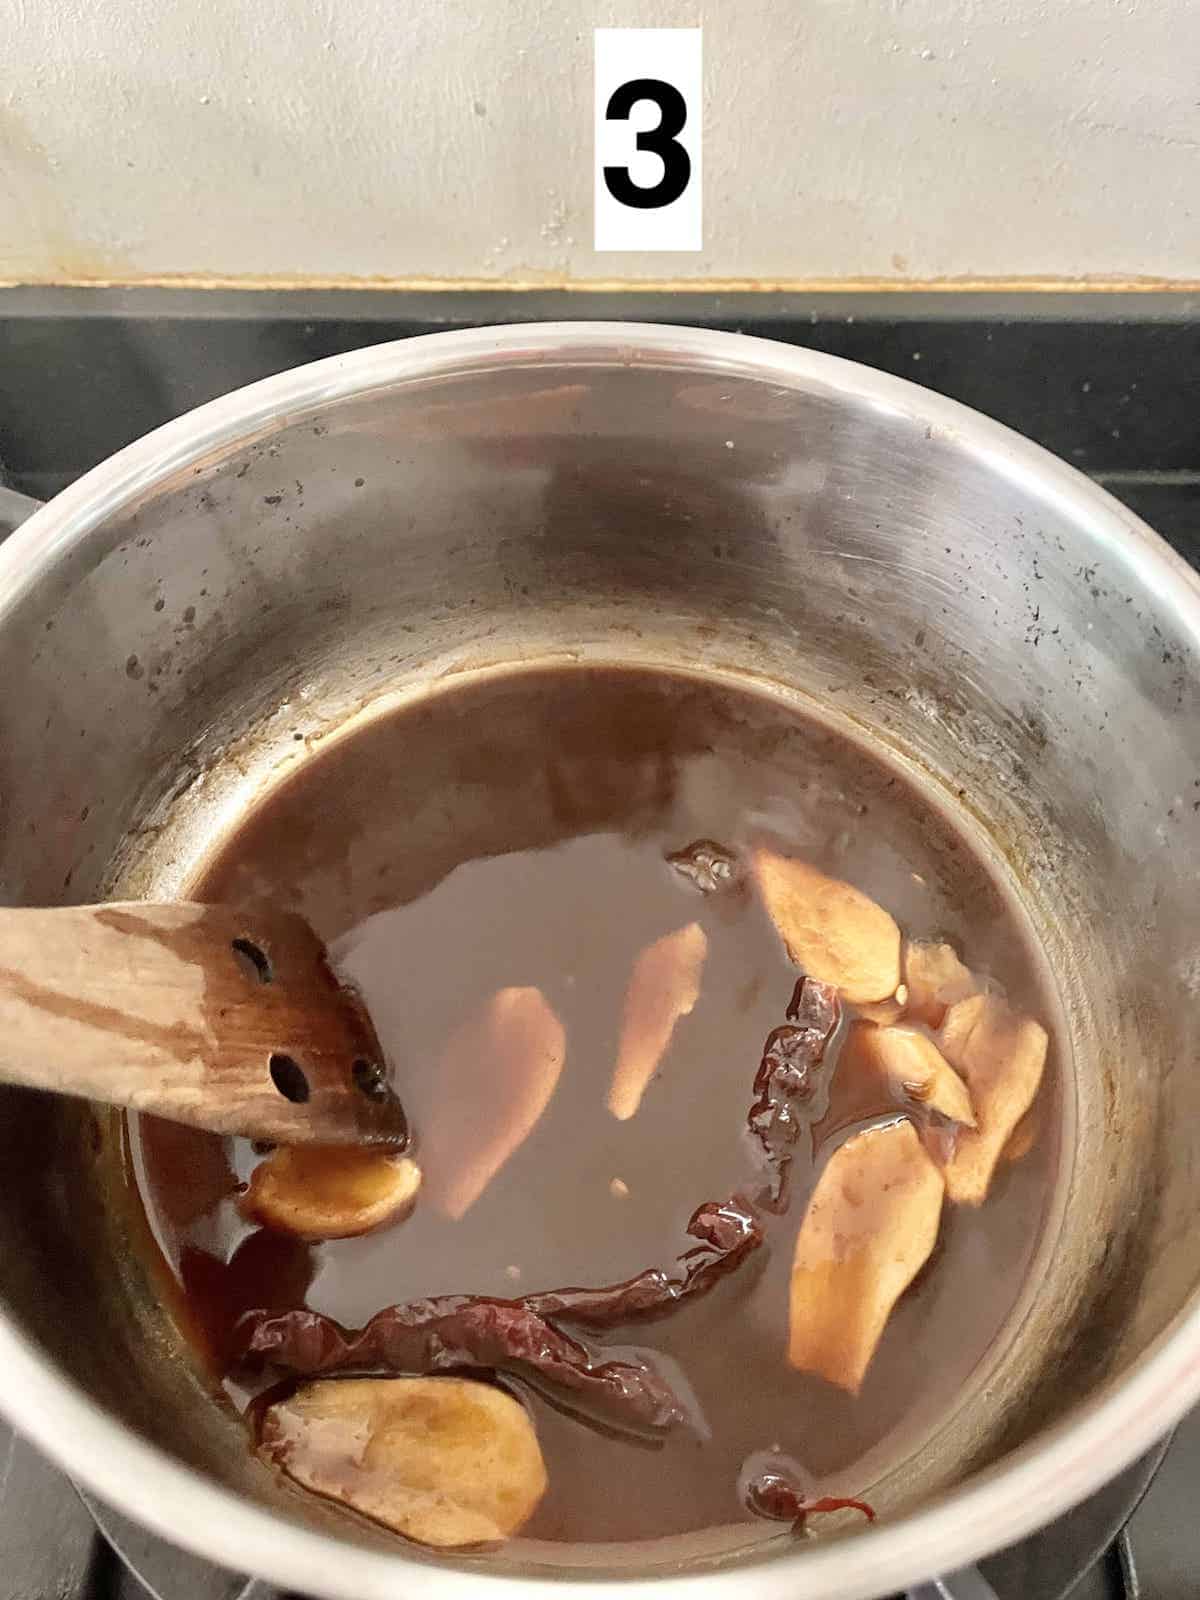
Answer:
(281, 559)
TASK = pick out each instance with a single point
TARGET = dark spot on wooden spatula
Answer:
(371, 1078)
(288, 1077)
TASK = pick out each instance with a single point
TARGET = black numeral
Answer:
(660, 141)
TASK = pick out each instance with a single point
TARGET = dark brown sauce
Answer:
(515, 832)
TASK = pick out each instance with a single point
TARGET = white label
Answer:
(648, 107)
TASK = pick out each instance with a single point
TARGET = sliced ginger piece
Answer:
(830, 929)
(663, 987)
(1023, 1137)
(860, 1088)
(330, 1191)
(495, 1079)
(918, 1071)
(449, 1462)
(1001, 1055)
(870, 1227)
(936, 979)
(886, 1069)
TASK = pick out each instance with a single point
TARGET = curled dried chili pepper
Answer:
(783, 1082)
(729, 1232)
(453, 1333)
(457, 1332)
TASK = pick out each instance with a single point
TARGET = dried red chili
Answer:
(783, 1082)
(729, 1232)
(453, 1333)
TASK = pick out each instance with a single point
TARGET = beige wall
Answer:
(434, 139)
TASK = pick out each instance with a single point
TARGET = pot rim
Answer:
(1036, 1483)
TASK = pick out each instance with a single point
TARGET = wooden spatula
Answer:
(227, 1020)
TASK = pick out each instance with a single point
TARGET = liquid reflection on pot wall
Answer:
(897, 139)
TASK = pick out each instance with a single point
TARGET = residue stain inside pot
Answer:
(646, 953)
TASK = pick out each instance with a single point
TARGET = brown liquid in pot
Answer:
(513, 832)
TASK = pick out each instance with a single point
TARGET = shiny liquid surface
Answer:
(514, 832)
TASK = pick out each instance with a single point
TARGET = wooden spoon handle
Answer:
(229, 1020)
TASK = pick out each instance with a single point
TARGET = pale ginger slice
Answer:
(1001, 1054)
(870, 1227)
(1023, 1137)
(935, 978)
(882, 1070)
(663, 987)
(495, 1079)
(330, 1191)
(829, 928)
(448, 1462)
(918, 1071)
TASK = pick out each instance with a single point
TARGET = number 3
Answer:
(660, 141)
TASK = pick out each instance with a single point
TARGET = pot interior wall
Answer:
(929, 594)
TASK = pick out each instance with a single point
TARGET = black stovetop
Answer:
(1106, 381)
